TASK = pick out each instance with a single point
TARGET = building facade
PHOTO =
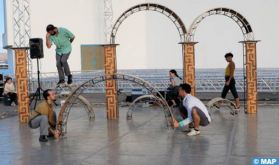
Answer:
(147, 39)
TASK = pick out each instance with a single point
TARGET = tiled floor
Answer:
(144, 140)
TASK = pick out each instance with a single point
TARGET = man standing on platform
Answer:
(63, 39)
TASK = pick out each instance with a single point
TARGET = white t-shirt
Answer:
(177, 81)
(9, 88)
(191, 101)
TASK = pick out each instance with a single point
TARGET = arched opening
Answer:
(230, 13)
(75, 95)
(150, 7)
(134, 49)
(222, 35)
(249, 53)
(110, 50)
(147, 45)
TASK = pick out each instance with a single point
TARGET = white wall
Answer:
(149, 40)
(163, 48)
(217, 34)
(131, 53)
(83, 18)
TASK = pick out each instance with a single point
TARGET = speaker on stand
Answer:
(36, 52)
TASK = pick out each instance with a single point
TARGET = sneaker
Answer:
(43, 138)
(61, 82)
(194, 132)
(187, 130)
(70, 81)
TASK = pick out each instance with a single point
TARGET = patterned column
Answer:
(251, 75)
(189, 64)
(111, 85)
(22, 83)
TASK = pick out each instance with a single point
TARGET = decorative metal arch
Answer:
(238, 18)
(154, 98)
(63, 91)
(65, 109)
(150, 7)
(219, 102)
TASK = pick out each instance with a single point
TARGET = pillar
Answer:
(189, 77)
(251, 75)
(111, 85)
(22, 83)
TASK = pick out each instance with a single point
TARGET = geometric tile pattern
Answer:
(22, 83)
(251, 75)
(111, 85)
(189, 65)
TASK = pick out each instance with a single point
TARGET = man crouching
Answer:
(197, 112)
(45, 117)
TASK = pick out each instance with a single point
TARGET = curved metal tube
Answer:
(219, 102)
(64, 91)
(149, 97)
(150, 7)
(71, 99)
(235, 16)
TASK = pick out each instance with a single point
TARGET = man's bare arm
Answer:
(55, 132)
(48, 42)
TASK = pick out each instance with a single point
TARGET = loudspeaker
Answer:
(36, 48)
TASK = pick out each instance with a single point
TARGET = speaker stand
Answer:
(37, 95)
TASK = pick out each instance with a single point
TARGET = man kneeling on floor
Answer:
(45, 117)
(197, 112)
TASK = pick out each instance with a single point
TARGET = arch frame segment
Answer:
(177, 21)
(71, 99)
(241, 21)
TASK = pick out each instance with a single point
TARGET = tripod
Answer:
(37, 95)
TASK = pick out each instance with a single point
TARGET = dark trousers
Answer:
(62, 65)
(172, 94)
(231, 87)
(12, 96)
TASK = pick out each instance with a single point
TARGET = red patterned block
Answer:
(22, 84)
(251, 73)
(189, 65)
(111, 85)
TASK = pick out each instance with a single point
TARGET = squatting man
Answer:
(197, 113)
(44, 117)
